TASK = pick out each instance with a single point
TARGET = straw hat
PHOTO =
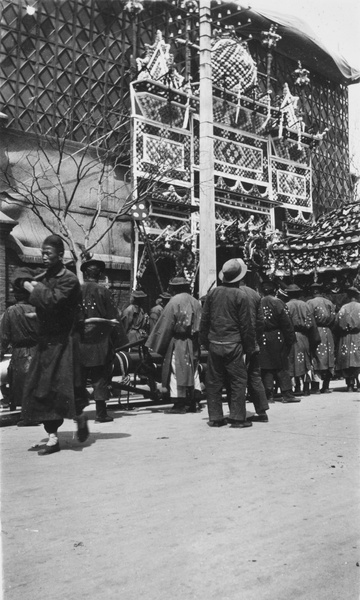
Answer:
(233, 270)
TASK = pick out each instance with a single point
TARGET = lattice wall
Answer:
(71, 63)
(324, 104)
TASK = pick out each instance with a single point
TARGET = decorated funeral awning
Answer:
(332, 243)
(299, 42)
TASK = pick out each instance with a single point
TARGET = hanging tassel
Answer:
(281, 124)
(268, 115)
(187, 88)
(301, 129)
(142, 263)
(238, 103)
(315, 275)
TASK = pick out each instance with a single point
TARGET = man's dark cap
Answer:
(293, 289)
(138, 294)
(269, 286)
(92, 262)
(178, 281)
(55, 241)
(316, 285)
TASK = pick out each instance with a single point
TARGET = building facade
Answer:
(121, 79)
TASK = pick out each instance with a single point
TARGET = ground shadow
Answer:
(69, 442)
(163, 409)
(115, 414)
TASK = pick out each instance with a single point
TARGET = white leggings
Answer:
(179, 391)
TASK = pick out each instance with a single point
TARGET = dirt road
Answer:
(162, 507)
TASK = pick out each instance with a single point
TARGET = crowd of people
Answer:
(260, 347)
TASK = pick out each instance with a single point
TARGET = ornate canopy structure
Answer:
(331, 244)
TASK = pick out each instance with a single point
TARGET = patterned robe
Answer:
(323, 311)
(278, 335)
(176, 335)
(307, 338)
(98, 341)
(347, 328)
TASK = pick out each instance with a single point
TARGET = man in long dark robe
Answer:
(347, 331)
(19, 334)
(97, 347)
(175, 336)
(276, 342)
(228, 334)
(134, 318)
(323, 311)
(50, 388)
(307, 338)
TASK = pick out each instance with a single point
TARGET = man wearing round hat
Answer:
(97, 347)
(134, 318)
(307, 338)
(228, 334)
(175, 336)
(323, 311)
(347, 331)
(156, 310)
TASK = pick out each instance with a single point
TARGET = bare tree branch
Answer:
(49, 180)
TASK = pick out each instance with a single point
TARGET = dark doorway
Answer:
(166, 268)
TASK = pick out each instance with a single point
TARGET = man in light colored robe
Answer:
(175, 336)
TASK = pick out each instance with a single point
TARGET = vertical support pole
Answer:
(150, 253)
(133, 17)
(207, 238)
(135, 255)
(6, 225)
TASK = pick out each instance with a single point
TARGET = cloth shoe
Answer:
(219, 423)
(179, 407)
(288, 397)
(37, 447)
(259, 418)
(193, 408)
(104, 419)
(49, 449)
(239, 424)
(176, 410)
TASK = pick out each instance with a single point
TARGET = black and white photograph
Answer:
(179, 262)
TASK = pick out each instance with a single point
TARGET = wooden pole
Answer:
(207, 238)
